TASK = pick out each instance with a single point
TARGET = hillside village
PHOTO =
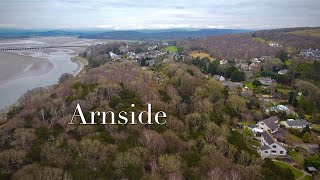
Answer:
(291, 134)
(258, 114)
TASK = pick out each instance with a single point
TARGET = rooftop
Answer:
(271, 122)
(265, 147)
(298, 122)
(267, 137)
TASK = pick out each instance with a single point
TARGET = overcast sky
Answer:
(160, 14)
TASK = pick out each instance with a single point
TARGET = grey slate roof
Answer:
(270, 122)
(298, 122)
(265, 147)
(267, 137)
(311, 168)
(279, 144)
(252, 126)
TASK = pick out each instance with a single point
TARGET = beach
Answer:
(25, 70)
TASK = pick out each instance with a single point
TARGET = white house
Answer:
(114, 56)
(284, 71)
(223, 62)
(219, 78)
(296, 124)
(274, 45)
(269, 124)
(271, 147)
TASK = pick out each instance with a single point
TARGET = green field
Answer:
(297, 173)
(258, 39)
(171, 49)
(249, 85)
(306, 178)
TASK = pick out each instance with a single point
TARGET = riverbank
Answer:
(82, 64)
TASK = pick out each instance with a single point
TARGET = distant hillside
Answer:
(121, 35)
(13, 33)
(255, 44)
(162, 35)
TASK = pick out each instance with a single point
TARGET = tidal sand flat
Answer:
(21, 71)
(14, 66)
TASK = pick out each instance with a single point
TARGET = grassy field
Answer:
(200, 54)
(297, 157)
(297, 173)
(316, 127)
(261, 40)
(171, 49)
(306, 178)
(307, 32)
(249, 85)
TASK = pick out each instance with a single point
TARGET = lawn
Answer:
(297, 157)
(171, 49)
(249, 85)
(306, 178)
(284, 91)
(297, 173)
(200, 54)
(316, 127)
(295, 138)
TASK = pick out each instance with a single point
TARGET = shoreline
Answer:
(81, 63)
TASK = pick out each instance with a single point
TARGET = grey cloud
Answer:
(138, 14)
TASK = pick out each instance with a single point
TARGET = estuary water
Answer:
(21, 71)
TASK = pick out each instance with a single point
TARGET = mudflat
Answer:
(14, 66)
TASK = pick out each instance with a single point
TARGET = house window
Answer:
(274, 152)
(265, 151)
(274, 146)
(281, 152)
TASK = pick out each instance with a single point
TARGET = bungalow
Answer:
(254, 67)
(255, 60)
(269, 124)
(219, 78)
(296, 124)
(271, 147)
(266, 80)
(284, 71)
(281, 108)
(265, 58)
(114, 56)
(223, 62)
(274, 45)
(244, 66)
(232, 84)
(150, 62)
